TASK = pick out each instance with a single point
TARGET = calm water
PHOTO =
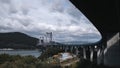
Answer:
(35, 53)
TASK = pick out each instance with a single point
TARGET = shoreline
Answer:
(11, 49)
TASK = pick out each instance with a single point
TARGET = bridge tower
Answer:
(49, 37)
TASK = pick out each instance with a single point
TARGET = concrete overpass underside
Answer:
(104, 14)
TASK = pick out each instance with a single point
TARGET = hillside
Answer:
(17, 40)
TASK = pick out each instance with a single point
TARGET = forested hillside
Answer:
(17, 40)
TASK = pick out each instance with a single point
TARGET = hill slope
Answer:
(17, 40)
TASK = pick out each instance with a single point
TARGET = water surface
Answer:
(35, 53)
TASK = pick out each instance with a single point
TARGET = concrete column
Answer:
(62, 47)
(77, 51)
(71, 48)
(84, 53)
(66, 49)
(91, 54)
(99, 57)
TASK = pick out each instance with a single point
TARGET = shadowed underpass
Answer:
(104, 14)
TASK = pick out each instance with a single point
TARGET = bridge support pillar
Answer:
(99, 58)
(77, 51)
(66, 49)
(84, 53)
(91, 54)
(71, 49)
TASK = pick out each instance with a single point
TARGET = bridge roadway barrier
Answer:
(112, 52)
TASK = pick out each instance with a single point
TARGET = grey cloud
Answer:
(58, 6)
(74, 14)
(2, 28)
(25, 11)
(37, 17)
(5, 1)
(13, 10)
(74, 22)
(25, 22)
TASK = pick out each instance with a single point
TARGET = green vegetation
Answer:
(49, 53)
(17, 40)
(44, 61)
(83, 63)
(16, 61)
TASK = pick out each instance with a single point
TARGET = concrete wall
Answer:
(112, 52)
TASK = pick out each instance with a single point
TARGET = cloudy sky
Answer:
(36, 17)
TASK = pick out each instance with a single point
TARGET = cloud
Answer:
(37, 17)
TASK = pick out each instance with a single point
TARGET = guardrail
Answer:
(113, 40)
